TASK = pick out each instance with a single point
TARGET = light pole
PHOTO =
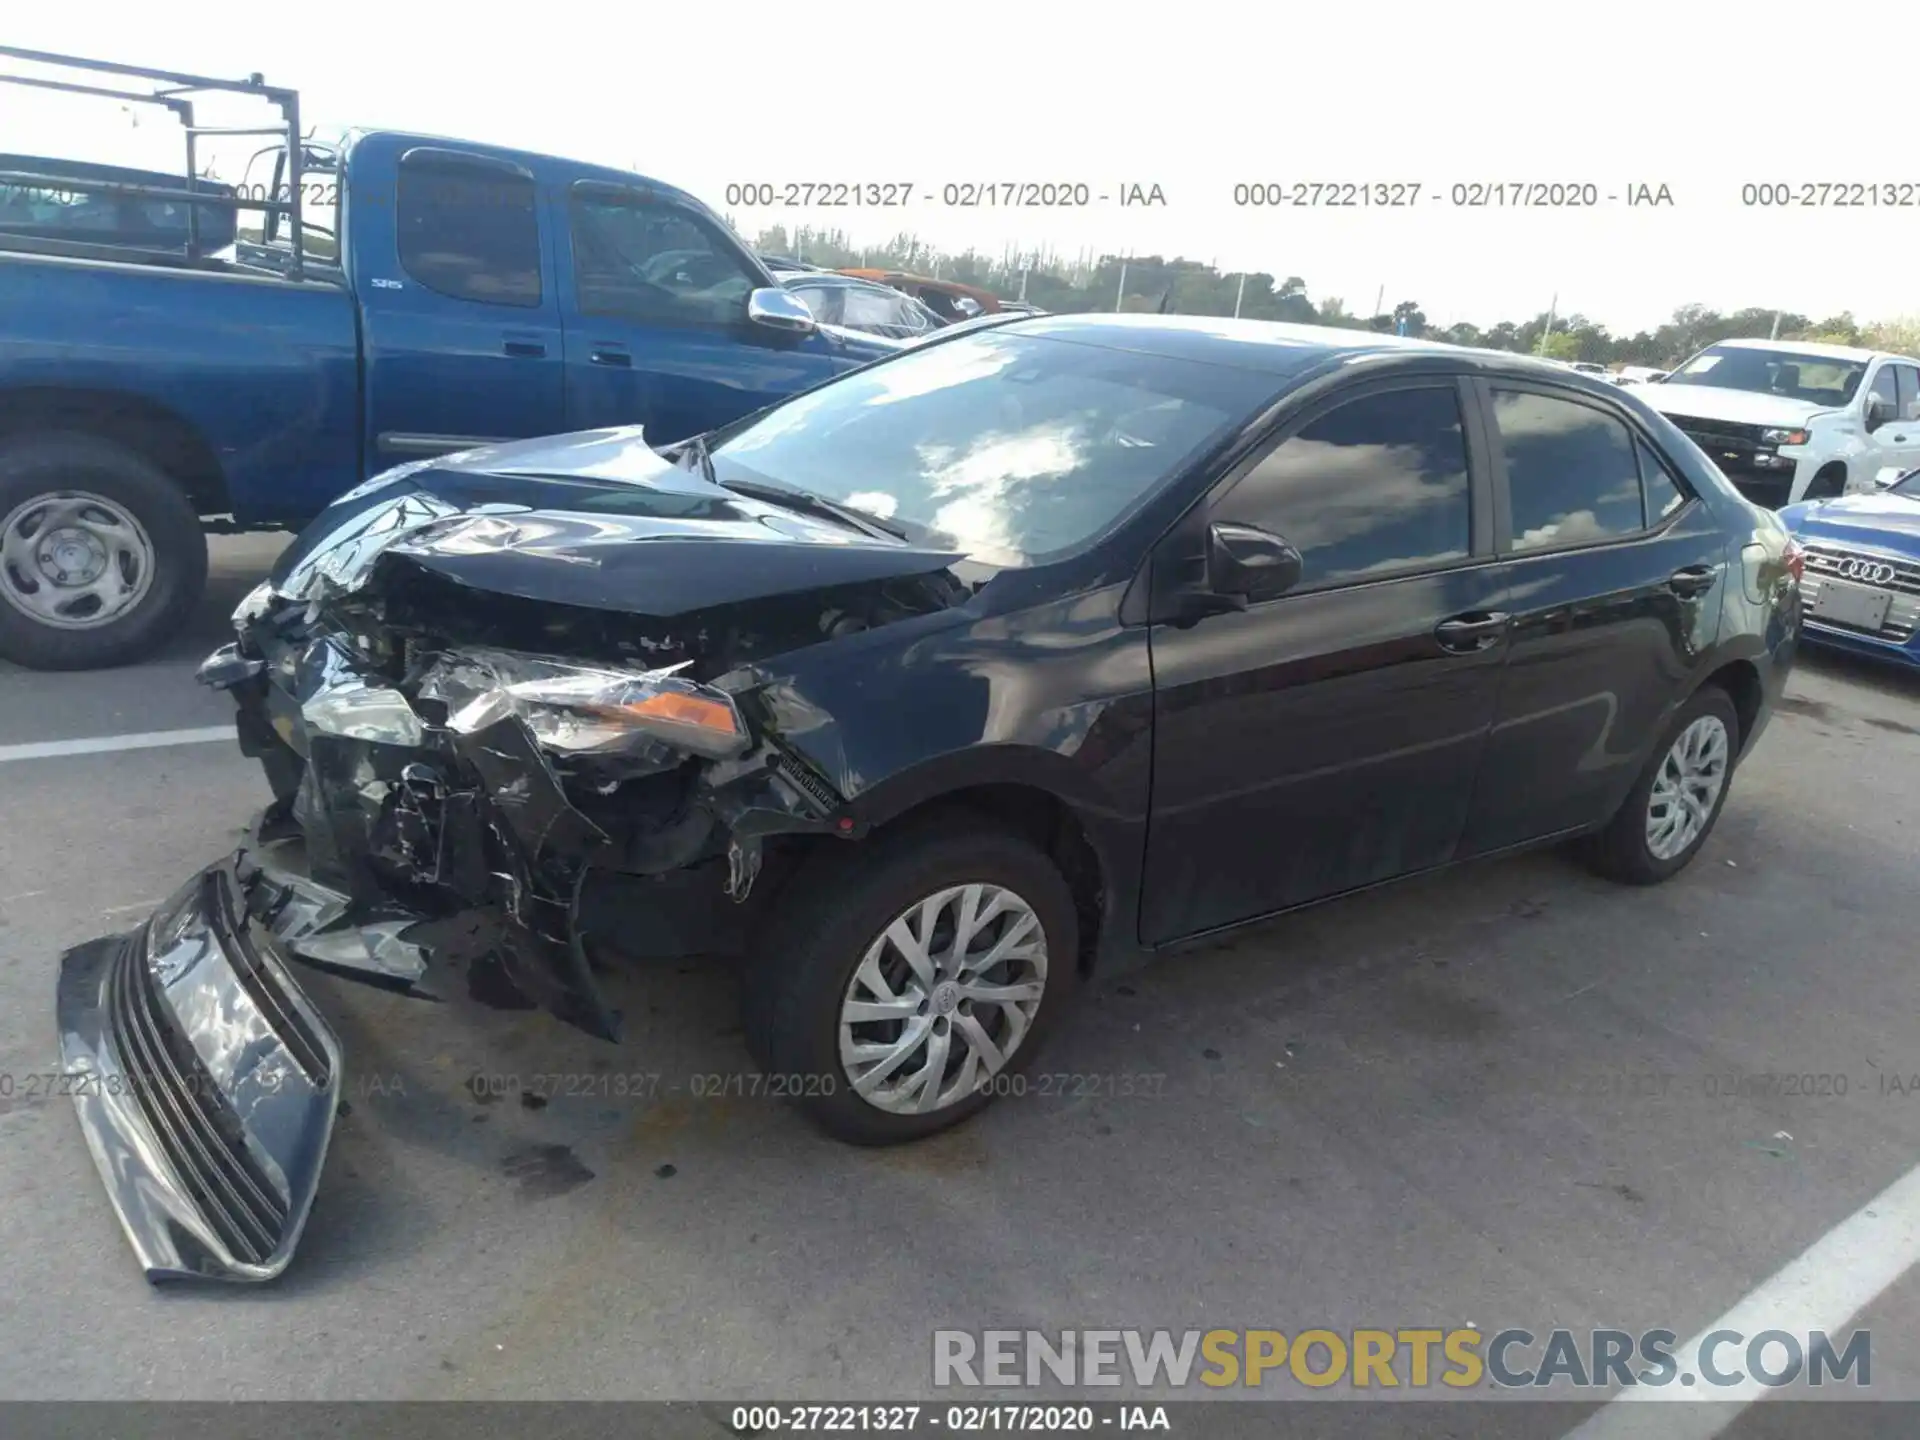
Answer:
(1239, 294)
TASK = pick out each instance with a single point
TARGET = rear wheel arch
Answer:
(145, 428)
(1626, 848)
(1740, 679)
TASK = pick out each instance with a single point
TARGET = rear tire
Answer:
(120, 521)
(1678, 798)
(828, 939)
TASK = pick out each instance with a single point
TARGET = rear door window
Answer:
(1572, 477)
(469, 229)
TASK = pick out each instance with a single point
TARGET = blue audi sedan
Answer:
(1861, 589)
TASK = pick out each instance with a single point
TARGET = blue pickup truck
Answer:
(464, 294)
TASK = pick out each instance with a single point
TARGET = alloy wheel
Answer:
(942, 998)
(1687, 787)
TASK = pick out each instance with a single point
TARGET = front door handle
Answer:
(1474, 631)
(611, 355)
(525, 349)
(1693, 581)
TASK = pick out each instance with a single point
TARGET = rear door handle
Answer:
(1474, 631)
(1692, 582)
(611, 355)
(526, 349)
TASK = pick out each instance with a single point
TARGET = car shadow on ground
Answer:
(488, 1096)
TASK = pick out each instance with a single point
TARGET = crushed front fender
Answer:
(205, 1081)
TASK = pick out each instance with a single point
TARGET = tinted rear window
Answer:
(468, 231)
(1571, 472)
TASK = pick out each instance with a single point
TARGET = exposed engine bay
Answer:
(442, 749)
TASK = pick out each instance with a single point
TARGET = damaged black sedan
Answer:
(932, 691)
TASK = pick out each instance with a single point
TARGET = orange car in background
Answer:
(948, 299)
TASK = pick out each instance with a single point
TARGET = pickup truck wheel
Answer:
(903, 984)
(101, 555)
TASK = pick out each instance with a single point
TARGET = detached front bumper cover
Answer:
(205, 1081)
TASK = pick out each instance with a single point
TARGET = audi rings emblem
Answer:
(1867, 572)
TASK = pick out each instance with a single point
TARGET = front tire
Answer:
(1678, 798)
(101, 554)
(1828, 484)
(899, 983)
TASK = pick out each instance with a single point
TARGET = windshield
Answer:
(1014, 448)
(1817, 379)
(1907, 485)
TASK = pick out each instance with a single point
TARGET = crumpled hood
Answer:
(1885, 522)
(595, 519)
(1714, 402)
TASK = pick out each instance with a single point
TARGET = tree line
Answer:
(1190, 287)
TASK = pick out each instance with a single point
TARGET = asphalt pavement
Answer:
(1512, 1095)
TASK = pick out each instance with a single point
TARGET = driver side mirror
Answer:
(1219, 570)
(1247, 561)
(1245, 565)
(779, 309)
(1879, 412)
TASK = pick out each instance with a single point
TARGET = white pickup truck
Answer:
(1791, 420)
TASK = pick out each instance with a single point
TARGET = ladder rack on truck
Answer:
(176, 93)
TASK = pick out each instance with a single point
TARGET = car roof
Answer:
(1269, 346)
(900, 278)
(1802, 347)
(832, 277)
(543, 165)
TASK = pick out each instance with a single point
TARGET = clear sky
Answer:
(1700, 97)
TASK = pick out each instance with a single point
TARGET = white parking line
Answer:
(101, 744)
(1837, 1277)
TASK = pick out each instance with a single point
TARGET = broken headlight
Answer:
(257, 602)
(576, 709)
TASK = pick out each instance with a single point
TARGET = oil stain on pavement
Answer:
(545, 1171)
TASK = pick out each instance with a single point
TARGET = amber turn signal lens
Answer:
(687, 710)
